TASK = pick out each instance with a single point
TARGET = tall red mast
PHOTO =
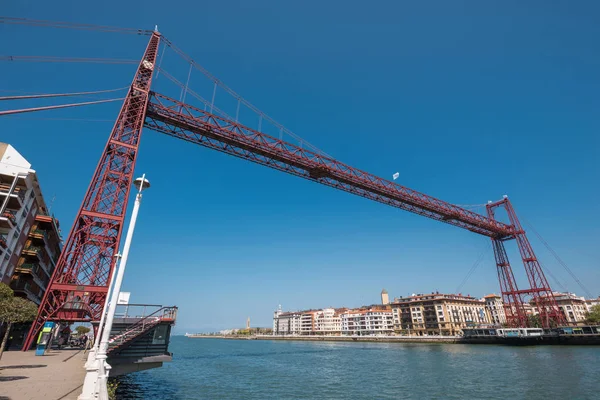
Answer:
(539, 288)
(79, 284)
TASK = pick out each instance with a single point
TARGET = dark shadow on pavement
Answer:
(12, 378)
(23, 367)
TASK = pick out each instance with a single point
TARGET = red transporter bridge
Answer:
(79, 284)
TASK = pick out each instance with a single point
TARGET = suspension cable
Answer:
(40, 96)
(243, 101)
(68, 59)
(194, 94)
(558, 283)
(560, 261)
(474, 266)
(25, 110)
(72, 25)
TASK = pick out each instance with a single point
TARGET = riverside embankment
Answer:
(380, 339)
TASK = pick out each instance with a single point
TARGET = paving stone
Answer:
(56, 375)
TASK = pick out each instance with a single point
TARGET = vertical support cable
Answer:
(187, 83)
(237, 113)
(259, 122)
(160, 62)
(212, 103)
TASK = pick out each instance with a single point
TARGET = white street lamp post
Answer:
(94, 385)
(105, 308)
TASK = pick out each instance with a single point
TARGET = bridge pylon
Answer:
(79, 284)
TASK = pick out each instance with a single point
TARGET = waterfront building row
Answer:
(370, 320)
(419, 314)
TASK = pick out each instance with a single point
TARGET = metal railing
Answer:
(26, 286)
(27, 266)
(49, 254)
(40, 252)
(136, 310)
(38, 232)
(143, 324)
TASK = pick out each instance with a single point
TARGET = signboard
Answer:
(123, 298)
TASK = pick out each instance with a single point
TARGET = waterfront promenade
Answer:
(56, 375)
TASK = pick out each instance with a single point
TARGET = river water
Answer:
(256, 369)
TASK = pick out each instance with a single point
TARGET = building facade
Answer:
(327, 321)
(437, 314)
(29, 237)
(286, 323)
(495, 309)
(367, 321)
(589, 303)
(334, 321)
(573, 307)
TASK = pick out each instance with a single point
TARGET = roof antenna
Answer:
(51, 204)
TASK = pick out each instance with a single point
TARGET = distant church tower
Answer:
(385, 299)
(248, 323)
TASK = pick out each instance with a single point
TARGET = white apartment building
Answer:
(29, 237)
(327, 321)
(589, 303)
(286, 323)
(573, 307)
(495, 309)
(364, 322)
(16, 207)
(330, 321)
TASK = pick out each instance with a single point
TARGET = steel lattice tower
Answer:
(539, 288)
(79, 284)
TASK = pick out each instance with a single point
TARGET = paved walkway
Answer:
(56, 375)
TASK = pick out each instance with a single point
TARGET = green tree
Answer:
(82, 330)
(534, 321)
(5, 292)
(593, 317)
(13, 310)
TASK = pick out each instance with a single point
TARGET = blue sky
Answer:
(468, 101)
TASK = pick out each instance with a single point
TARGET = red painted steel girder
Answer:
(194, 125)
(78, 287)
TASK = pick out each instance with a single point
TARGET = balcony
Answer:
(37, 251)
(27, 288)
(35, 267)
(37, 234)
(16, 199)
(37, 273)
(3, 245)
(8, 220)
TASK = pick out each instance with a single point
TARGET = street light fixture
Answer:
(94, 385)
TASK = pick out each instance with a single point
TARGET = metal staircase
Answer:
(125, 336)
